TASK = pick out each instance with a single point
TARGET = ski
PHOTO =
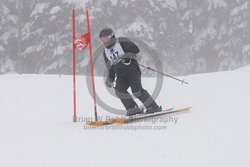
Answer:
(114, 120)
(125, 120)
(98, 123)
(145, 116)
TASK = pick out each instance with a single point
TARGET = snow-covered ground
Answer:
(36, 128)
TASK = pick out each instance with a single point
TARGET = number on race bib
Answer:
(114, 53)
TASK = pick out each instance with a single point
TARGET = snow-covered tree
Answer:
(188, 35)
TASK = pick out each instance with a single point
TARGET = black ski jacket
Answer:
(121, 69)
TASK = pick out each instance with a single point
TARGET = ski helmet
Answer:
(106, 34)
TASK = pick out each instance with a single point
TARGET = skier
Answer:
(120, 58)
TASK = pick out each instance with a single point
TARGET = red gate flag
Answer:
(74, 62)
(83, 42)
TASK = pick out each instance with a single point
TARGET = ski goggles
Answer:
(106, 38)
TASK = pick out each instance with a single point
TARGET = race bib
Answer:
(114, 53)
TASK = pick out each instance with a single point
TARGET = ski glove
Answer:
(109, 83)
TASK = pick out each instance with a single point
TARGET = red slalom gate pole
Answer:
(74, 62)
(91, 63)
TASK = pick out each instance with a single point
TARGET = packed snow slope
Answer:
(36, 128)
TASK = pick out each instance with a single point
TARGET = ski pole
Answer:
(149, 68)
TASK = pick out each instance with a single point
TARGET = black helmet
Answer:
(107, 36)
(107, 32)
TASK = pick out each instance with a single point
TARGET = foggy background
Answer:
(188, 36)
